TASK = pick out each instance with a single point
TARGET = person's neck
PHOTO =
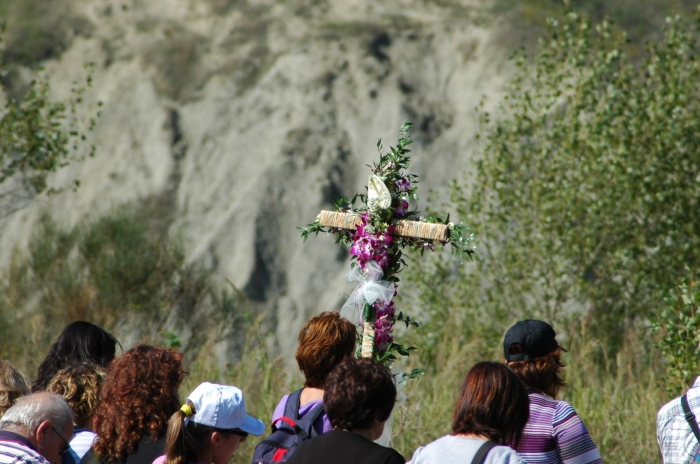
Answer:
(472, 435)
(309, 394)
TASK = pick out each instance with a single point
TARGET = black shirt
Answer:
(148, 450)
(340, 447)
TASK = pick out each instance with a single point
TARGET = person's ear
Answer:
(216, 439)
(42, 432)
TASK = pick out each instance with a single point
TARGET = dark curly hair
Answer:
(357, 393)
(138, 397)
(324, 341)
(544, 374)
(492, 402)
(80, 341)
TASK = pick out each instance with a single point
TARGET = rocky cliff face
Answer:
(245, 118)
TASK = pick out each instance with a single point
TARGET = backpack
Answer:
(692, 422)
(288, 432)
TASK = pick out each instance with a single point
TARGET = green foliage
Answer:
(37, 137)
(115, 271)
(641, 19)
(678, 324)
(587, 191)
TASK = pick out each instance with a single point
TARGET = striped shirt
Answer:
(15, 449)
(80, 443)
(555, 434)
(676, 440)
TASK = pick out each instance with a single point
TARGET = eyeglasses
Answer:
(66, 445)
(240, 433)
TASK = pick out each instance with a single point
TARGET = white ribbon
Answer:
(370, 288)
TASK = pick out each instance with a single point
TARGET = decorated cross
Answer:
(376, 231)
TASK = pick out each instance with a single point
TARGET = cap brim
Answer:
(253, 426)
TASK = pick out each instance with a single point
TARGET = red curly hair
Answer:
(138, 397)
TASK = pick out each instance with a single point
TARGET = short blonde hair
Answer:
(13, 386)
(79, 384)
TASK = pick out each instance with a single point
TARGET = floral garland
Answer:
(374, 243)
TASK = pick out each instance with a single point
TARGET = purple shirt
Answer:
(322, 424)
(555, 434)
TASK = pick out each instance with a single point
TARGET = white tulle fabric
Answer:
(370, 288)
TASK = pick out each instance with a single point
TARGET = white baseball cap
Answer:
(222, 407)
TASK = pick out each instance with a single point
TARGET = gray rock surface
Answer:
(251, 116)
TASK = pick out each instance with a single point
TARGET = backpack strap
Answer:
(690, 417)
(307, 422)
(291, 409)
(484, 449)
(303, 426)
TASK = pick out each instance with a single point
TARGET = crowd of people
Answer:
(89, 405)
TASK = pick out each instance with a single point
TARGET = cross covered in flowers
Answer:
(376, 232)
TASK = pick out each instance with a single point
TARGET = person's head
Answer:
(79, 384)
(80, 341)
(138, 397)
(324, 341)
(13, 386)
(45, 420)
(531, 350)
(359, 394)
(210, 426)
(492, 403)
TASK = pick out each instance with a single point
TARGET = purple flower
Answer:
(403, 184)
(382, 339)
(401, 209)
(385, 310)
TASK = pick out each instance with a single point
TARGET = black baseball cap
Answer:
(536, 337)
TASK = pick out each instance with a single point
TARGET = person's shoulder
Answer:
(563, 411)
(671, 408)
(438, 449)
(279, 409)
(503, 455)
(394, 457)
(14, 452)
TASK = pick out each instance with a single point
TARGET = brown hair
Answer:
(493, 403)
(357, 393)
(186, 443)
(544, 373)
(13, 386)
(324, 341)
(138, 397)
(79, 384)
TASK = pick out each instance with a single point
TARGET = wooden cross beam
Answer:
(402, 227)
